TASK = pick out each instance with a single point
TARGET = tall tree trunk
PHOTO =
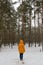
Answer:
(38, 30)
(30, 31)
(34, 29)
(42, 25)
(18, 30)
(22, 22)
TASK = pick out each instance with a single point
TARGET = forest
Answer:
(24, 23)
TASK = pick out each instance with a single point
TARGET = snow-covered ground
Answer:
(32, 56)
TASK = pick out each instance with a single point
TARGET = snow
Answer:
(10, 56)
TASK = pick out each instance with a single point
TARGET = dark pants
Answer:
(21, 56)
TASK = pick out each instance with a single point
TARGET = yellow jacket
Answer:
(21, 47)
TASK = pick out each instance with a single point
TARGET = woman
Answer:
(21, 49)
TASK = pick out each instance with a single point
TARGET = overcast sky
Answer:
(16, 5)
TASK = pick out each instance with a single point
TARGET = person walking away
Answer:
(21, 49)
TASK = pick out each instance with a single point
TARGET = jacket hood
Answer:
(21, 41)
